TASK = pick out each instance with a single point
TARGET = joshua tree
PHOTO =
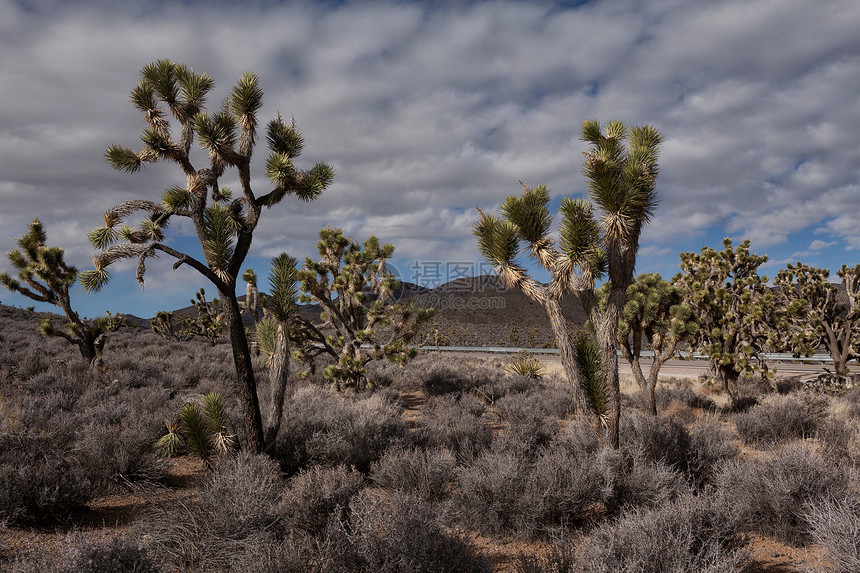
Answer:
(47, 278)
(655, 312)
(210, 318)
(733, 306)
(252, 303)
(352, 285)
(621, 168)
(273, 335)
(224, 227)
(813, 315)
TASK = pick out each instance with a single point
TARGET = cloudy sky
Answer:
(427, 109)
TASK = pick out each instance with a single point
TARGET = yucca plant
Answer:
(44, 276)
(204, 434)
(526, 365)
(353, 286)
(172, 99)
(598, 238)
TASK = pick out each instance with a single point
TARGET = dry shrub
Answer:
(397, 534)
(314, 495)
(321, 427)
(769, 496)
(685, 535)
(80, 553)
(456, 425)
(424, 473)
(236, 512)
(835, 525)
(782, 418)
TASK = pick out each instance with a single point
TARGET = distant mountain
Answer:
(473, 311)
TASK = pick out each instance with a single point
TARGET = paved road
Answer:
(673, 368)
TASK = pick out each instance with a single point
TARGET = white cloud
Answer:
(427, 109)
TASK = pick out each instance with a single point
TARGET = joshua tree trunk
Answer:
(246, 386)
(568, 361)
(606, 328)
(278, 375)
(729, 376)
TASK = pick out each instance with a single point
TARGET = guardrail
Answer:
(684, 355)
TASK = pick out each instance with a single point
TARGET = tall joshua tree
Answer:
(47, 278)
(813, 315)
(224, 227)
(273, 335)
(621, 169)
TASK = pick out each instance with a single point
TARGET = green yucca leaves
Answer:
(284, 139)
(530, 213)
(123, 159)
(314, 182)
(216, 421)
(204, 433)
(592, 382)
(284, 282)
(526, 366)
(177, 198)
(279, 169)
(267, 335)
(247, 96)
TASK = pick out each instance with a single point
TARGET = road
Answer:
(691, 369)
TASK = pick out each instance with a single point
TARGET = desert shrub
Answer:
(119, 454)
(661, 439)
(628, 479)
(682, 394)
(513, 490)
(740, 404)
(835, 525)
(397, 534)
(438, 375)
(527, 435)
(557, 559)
(768, 496)
(782, 418)
(236, 511)
(79, 554)
(40, 479)
(514, 408)
(505, 386)
(685, 535)
(454, 424)
(321, 427)
(492, 497)
(709, 447)
(315, 494)
(424, 473)
(696, 451)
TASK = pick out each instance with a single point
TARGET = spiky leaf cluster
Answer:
(732, 304)
(172, 99)
(44, 276)
(812, 313)
(353, 287)
(204, 433)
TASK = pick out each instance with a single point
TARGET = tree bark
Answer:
(606, 329)
(278, 375)
(568, 362)
(246, 385)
